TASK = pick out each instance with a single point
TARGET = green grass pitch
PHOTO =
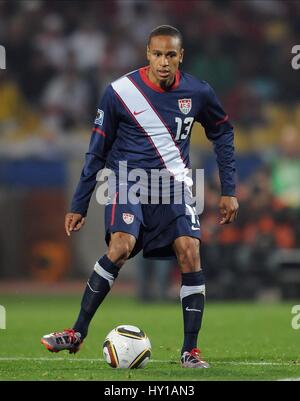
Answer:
(241, 341)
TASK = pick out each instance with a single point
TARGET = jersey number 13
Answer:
(183, 127)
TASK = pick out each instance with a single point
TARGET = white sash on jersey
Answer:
(149, 120)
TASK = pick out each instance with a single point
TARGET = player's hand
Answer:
(73, 222)
(228, 208)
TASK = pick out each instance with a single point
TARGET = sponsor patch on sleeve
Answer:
(99, 117)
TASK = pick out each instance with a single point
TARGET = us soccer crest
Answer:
(128, 218)
(185, 105)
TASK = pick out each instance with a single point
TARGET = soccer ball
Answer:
(127, 347)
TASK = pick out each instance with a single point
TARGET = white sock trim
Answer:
(103, 273)
(187, 290)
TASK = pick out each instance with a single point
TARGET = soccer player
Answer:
(145, 118)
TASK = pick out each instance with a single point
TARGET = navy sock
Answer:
(192, 296)
(98, 286)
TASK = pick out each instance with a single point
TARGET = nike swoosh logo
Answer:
(192, 310)
(195, 228)
(136, 113)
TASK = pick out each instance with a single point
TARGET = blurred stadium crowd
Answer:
(62, 54)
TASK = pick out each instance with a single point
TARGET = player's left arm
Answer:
(228, 208)
(219, 130)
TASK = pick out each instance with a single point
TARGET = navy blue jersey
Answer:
(150, 127)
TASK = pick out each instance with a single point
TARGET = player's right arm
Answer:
(102, 139)
(73, 222)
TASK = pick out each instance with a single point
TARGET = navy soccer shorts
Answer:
(155, 227)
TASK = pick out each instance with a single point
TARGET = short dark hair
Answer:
(166, 30)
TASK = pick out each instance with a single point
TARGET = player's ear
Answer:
(148, 53)
(181, 56)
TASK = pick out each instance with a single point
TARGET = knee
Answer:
(188, 256)
(120, 248)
